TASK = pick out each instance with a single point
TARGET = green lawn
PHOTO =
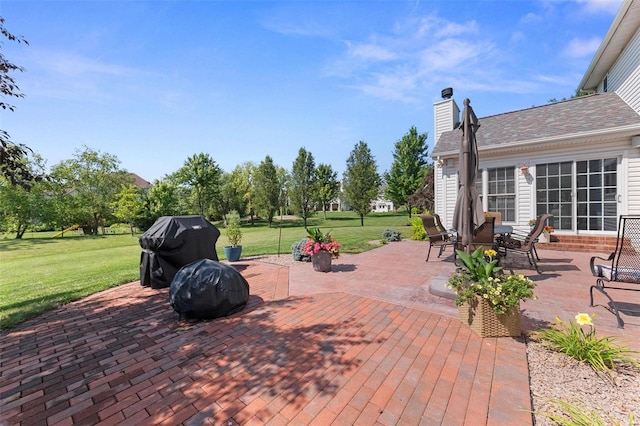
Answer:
(39, 272)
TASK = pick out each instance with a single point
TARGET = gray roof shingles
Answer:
(578, 115)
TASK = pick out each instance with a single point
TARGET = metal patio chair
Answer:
(526, 245)
(622, 267)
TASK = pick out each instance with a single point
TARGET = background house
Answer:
(578, 159)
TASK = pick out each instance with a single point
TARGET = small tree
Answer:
(233, 231)
(303, 185)
(361, 180)
(424, 196)
(266, 189)
(128, 205)
(328, 186)
(408, 168)
(200, 175)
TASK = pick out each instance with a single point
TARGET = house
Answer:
(139, 182)
(578, 159)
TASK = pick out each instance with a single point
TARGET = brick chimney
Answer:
(446, 114)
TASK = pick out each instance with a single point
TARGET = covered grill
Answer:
(173, 242)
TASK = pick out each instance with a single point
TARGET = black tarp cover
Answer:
(173, 242)
(208, 289)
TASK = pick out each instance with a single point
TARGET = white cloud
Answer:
(598, 6)
(453, 54)
(370, 51)
(451, 29)
(531, 18)
(581, 48)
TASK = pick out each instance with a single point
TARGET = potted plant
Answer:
(488, 300)
(321, 247)
(234, 235)
(545, 237)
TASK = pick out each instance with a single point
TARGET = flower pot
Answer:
(232, 253)
(484, 321)
(321, 261)
(544, 238)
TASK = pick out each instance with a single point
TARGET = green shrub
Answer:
(296, 250)
(417, 229)
(391, 235)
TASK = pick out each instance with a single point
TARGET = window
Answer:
(553, 193)
(595, 208)
(596, 182)
(501, 196)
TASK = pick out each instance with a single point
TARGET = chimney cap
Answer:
(447, 93)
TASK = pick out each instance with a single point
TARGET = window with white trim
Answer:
(501, 195)
(596, 182)
(595, 207)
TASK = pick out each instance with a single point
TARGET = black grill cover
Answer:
(173, 242)
(208, 289)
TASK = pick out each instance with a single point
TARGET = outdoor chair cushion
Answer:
(622, 273)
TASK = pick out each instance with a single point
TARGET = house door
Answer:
(594, 207)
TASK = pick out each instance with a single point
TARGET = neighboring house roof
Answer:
(586, 115)
(622, 29)
(139, 182)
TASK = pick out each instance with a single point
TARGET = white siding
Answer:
(624, 76)
(445, 115)
(525, 198)
(633, 183)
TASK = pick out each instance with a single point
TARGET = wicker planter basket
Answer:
(483, 320)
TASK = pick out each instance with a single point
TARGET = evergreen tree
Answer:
(361, 180)
(409, 165)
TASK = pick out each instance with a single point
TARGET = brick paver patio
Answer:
(365, 344)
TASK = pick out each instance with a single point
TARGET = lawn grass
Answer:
(39, 273)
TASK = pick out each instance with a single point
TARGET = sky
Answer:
(155, 82)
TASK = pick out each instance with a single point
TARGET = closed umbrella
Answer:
(468, 214)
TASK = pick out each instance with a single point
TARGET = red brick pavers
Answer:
(374, 348)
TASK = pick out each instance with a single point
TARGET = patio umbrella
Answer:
(468, 213)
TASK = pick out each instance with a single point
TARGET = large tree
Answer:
(410, 160)
(302, 185)
(328, 187)
(200, 176)
(88, 184)
(13, 156)
(266, 189)
(361, 180)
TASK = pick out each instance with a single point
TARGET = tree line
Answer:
(92, 190)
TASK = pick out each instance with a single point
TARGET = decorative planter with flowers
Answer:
(489, 301)
(545, 237)
(322, 248)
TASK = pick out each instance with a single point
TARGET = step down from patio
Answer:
(439, 288)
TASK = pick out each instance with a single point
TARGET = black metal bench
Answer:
(621, 270)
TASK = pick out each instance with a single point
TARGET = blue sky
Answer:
(154, 82)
